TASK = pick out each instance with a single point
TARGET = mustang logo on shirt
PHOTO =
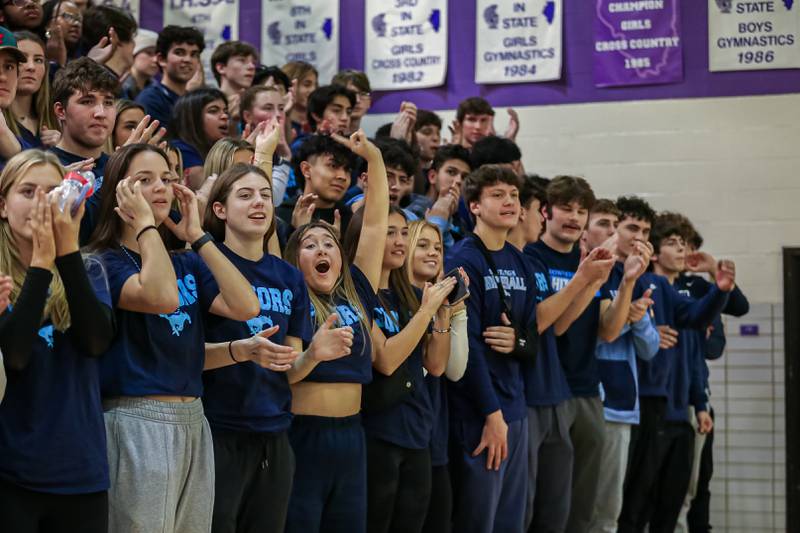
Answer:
(46, 333)
(177, 321)
(259, 323)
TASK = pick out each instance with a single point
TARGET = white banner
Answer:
(406, 43)
(753, 35)
(217, 19)
(301, 30)
(131, 6)
(518, 41)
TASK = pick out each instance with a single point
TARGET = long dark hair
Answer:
(109, 228)
(399, 282)
(187, 118)
(219, 193)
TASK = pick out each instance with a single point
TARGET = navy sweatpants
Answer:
(329, 492)
(488, 500)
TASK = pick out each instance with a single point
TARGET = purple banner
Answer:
(637, 42)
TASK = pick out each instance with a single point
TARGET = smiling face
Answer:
(248, 209)
(498, 206)
(394, 252)
(182, 61)
(156, 178)
(426, 259)
(88, 118)
(32, 72)
(319, 258)
(630, 231)
(126, 123)
(215, 120)
(17, 206)
(567, 222)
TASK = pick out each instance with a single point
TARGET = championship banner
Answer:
(131, 6)
(406, 43)
(518, 42)
(637, 42)
(217, 20)
(306, 30)
(753, 35)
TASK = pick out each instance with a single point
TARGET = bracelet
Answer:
(146, 228)
(448, 330)
(230, 351)
(207, 237)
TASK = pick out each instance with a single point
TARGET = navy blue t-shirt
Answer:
(91, 216)
(492, 380)
(158, 354)
(158, 102)
(189, 154)
(545, 382)
(247, 396)
(356, 367)
(407, 424)
(52, 436)
(27, 139)
(576, 346)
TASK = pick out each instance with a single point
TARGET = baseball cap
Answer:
(9, 42)
(144, 39)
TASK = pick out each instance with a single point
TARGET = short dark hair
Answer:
(449, 152)
(172, 35)
(82, 75)
(636, 208)
(605, 206)
(397, 154)
(384, 131)
(474, 105)
(187, 118)
(568, 189)
(486, 176)
(666, 225)
(356, 77)
(427, 118)
(263, 73)
(317, 145)
(531, 190)
(227, 50)
(97, 20)
(322, 98)
(494, 150)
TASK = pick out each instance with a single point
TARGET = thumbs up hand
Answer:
(331, 343)
(639, 307)
(265, 353)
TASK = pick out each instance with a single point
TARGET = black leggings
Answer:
(26, 511)
(440, 510)
(398, 487)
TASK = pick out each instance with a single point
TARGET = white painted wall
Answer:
(732, 165)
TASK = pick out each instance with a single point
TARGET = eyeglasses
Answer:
(21, 3)
(71, 18)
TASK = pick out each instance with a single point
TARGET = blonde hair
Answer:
(414, 235)
(344, 289)
(56, 307)
(220, 157)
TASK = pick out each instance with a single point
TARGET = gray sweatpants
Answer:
(549, 469)
(587, 431)
(613, 465)
(161, 464)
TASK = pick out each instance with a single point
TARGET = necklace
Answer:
(124, 249)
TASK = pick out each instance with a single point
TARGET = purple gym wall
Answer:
(576, 84)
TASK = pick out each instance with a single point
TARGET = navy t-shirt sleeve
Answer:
(207, 287)
(299, 324)
(369, 299)
(118, 268)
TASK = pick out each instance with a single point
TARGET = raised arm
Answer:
(236, 299)
(154, 289)
(376, 207)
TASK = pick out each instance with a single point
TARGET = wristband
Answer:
(199, 243)
(449, 328)
(146, 228)
(230, 351)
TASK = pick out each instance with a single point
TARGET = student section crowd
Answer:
(262, 320)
